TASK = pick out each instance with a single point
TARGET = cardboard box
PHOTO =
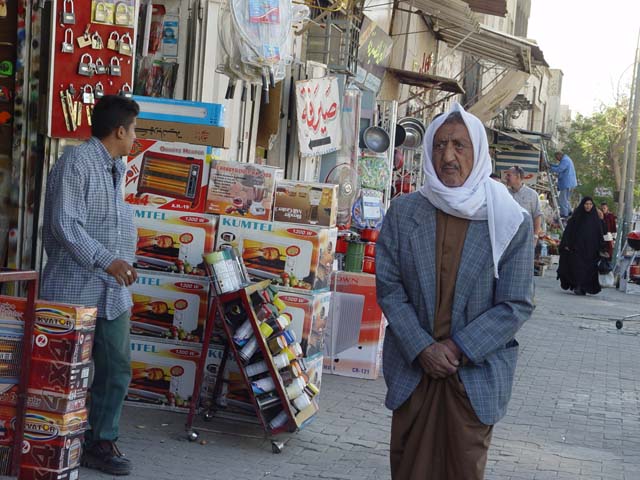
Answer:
(309, 312)
(167, 306)
(290, 255)
(208, 135)
(305, 202)
(173, 242)
(163, 373)
(53, 441)
(242, 189)
(59, 377)
(7, 425)
(47, 401)
(54, 317)
(35, 473)
(363, 360)
(168, 176)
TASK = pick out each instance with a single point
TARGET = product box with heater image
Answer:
(163, 373)
(173, 242)
(53, 441)
(242, 189)
(355, 292)
(306, 203)
(309, 313)
(168, 176)
(290, 255)
(169, 306)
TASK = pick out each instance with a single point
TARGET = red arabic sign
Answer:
(318, 115)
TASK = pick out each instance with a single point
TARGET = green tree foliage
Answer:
(596, 146)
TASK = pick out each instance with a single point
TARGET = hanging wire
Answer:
(341, 5)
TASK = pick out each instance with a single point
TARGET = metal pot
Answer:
(401, 134)
(376, 139)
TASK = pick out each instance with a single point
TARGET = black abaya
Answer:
(580, 247)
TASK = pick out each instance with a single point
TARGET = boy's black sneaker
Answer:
(106, 457)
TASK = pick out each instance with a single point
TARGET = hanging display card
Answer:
(318, 116)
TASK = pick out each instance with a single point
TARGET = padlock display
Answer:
(101, 13)
(125, 47)
(96, 41)
(85, 66)
(101, 68)
(87, 95)
(114, 67)
(98, 91)
(126, 91)
(68, 14)
(67, 44)
(113, 41)
(121, 14)
(84, 40)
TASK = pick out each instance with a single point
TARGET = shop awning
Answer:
(507, 50)
(489, 7)
(453, 12)
(425, 80)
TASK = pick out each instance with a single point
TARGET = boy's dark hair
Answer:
(112, 112)
(519, 171)
(603, 204)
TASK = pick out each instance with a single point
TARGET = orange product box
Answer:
(309, 312)
(34, 473)
(290, 255)
(364, 359)
(173, 242)
(168, 176)
(242, 189)
(169, 306)
(48, 401)
(74, 346)
(59, 377)
(53, 441)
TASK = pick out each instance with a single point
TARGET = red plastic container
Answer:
(369, 265)
(370, 250)
(369, 234)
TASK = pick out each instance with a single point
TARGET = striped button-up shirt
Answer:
(87, 225)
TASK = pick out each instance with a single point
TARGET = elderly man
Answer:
(454, 279)
(90, 239)
(525, 196)
(567, 181)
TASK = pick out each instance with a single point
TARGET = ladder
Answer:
(552, 185)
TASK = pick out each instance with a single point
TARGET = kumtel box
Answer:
(290, 255)
(306, 203)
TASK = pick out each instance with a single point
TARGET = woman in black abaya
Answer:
(580, 247)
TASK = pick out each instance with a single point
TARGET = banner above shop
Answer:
(374, 55)
(318, 116)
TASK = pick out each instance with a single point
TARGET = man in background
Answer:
(525, 196)
(567, 181)
(90, 239)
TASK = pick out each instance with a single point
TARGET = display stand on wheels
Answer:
(269, 361)
(31, 277)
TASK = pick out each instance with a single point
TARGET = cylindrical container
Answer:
(295, 368)
(256, 368)
(279, 420)
(277, 344)
(301, 402)
(341, 245)
(281, 361)
(266, 329)
(262, 386)
(369, 265)
(236, 265)
(223, 279)
(295, 388)
(243, 333)
(275, 325)
(294, 350)
(354, 257)
(249, 349)
(311, 390)
(279, 304)
(370, 250)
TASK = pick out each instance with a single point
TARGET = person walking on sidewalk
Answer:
(611, 222)
(525, 196)
(90, 238)
(580, 247)
(567, 181)
(454, 277)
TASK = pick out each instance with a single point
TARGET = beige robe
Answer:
(435, 434)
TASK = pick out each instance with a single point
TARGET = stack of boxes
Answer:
(56, 416)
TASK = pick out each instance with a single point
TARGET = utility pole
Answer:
(631, 154)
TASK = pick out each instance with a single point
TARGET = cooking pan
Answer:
(376, 139)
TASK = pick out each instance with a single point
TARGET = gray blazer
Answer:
(487, 312)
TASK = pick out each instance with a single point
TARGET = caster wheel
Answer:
(193, 436)
(277, 447)
(208, 416)
(618, 324)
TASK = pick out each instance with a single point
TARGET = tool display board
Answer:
(92, 47)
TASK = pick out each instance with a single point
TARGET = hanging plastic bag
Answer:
(606, 280)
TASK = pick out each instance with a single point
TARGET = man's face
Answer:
(588, 205)
(558, 156)
(512, 178)
(452, 154)
(127, 136)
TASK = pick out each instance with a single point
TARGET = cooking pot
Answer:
(376, 139)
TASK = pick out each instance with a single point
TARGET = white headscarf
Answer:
(479, 198)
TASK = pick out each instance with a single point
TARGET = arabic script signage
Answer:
(318, 115)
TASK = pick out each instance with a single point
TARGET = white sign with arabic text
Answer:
(318, 116)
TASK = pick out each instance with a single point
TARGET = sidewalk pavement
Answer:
(574, 413)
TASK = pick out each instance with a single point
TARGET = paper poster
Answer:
(318, 116)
